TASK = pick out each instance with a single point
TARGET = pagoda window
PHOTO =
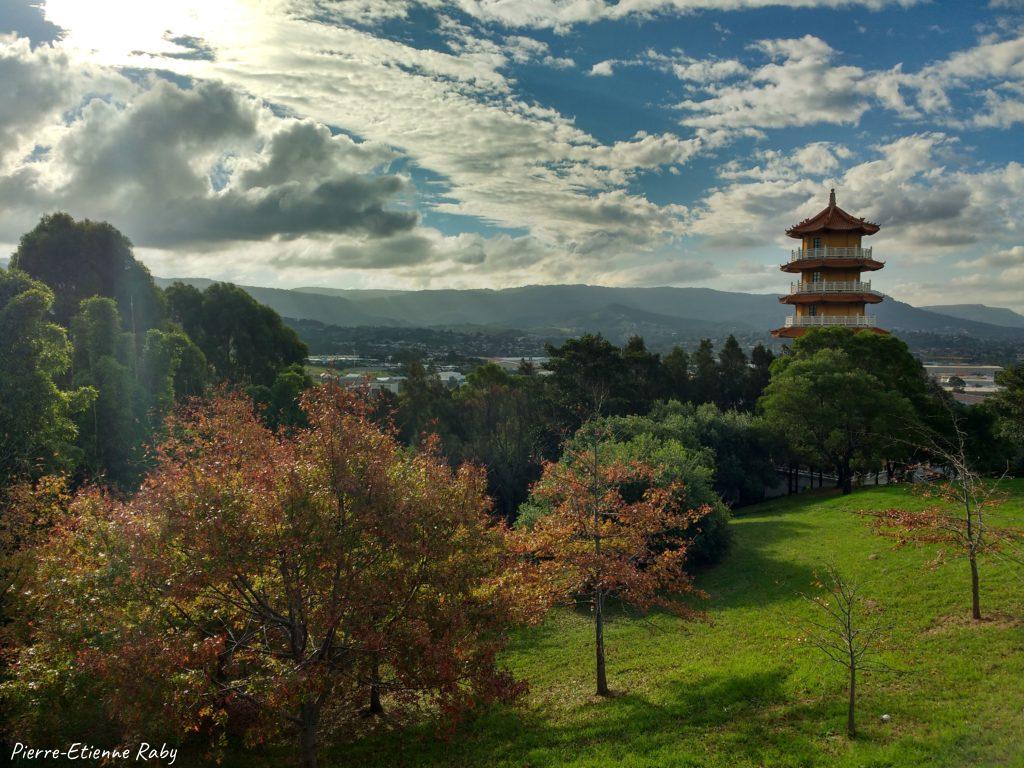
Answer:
(816, 277)
(817, 243)
(812, 310)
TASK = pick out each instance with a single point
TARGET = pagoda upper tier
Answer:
(832, 219)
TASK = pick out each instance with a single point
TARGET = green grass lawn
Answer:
(739, 690)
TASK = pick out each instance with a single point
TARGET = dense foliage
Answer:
(512, 422)
(847, 401)
(80, 259)
(37, 430)
(259, 584)
(1008, 408)
(243, 340)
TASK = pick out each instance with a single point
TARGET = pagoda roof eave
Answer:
(801, 265)
(795, 332)
(832, 218)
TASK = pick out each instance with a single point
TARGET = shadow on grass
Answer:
(746, 714)
(751, 575)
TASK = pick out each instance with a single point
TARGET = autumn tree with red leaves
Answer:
(273, 584)
(609, 530)
(957, 514)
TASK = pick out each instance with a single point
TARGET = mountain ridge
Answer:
(982, 313)
(580, 308)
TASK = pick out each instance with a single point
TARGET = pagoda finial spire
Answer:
(832, 198)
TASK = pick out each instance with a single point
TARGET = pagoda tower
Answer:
(830, 261)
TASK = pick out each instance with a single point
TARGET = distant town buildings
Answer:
(375, 374)
(967, 382)
(375, 383)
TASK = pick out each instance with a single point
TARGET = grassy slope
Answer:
(741, 691)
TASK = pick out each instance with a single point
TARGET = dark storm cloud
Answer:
(203, 165)
(351, 204)
(35, 86)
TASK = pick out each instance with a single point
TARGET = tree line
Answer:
(95, 355)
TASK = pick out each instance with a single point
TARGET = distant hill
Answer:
(332, 310)
(572, 309)
(981, 314)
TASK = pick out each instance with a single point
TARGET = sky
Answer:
(494, 143)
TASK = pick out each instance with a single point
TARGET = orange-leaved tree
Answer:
(609, 530)
(270, 583)
(957, 511)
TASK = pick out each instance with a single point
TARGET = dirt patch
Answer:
(959, 621)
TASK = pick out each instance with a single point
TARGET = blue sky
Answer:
(491, 143)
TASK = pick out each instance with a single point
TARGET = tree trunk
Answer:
(602, 677)
(851, 725)
(375, 708)
(975, 591)
(847, 479)
(309, 716)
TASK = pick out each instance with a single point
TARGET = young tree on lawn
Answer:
(845, 634)
(278, 582)
(610, 530)
(956, 516)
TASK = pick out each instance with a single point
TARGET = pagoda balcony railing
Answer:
(829, 252)
(816, 321)
(848, 286)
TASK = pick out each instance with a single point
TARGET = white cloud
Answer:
(804, 83)
(930, 212)
(563, 14)
(801, 85)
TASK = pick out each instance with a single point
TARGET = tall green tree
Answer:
(79, 259)
(109, 431)
(503, 424)
(424, 406)
(244, 341)
(758, 374)
(589, 376)
(678, 382)
(279, 403)
(733, 375)
(1008, 407)
(705, 373)
(37, 426)
(644, 377)
(884, 356)
(835, 413)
